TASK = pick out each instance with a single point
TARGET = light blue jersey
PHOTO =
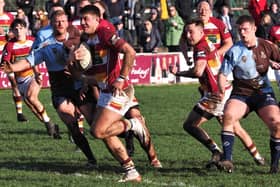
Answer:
(52, 52)
(43, 34)
(240, 61)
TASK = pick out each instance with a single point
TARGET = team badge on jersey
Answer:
(244, 59)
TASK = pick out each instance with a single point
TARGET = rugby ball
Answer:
(86, 62)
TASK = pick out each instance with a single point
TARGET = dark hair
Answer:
(245, 18)
(194, 19)
(18, 21)
(90, 9)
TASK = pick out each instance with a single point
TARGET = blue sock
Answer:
(274, 151)
(228, 141)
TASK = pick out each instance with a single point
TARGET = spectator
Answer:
(173, 27)
(139, 10)
(116, 8)
(70, 8)
(150, 38)
(21, 15)
(157, 22)
(185, 8)
(41, 20)
(255, 8)
(263, 29)
(27, 6)
(50, 3)
(121, 31)
(228, 19)
(218, 4)
(274, 13)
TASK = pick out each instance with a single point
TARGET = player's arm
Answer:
(195, 71)
(16, 67)
(128, 59)
(222, 81)
(227, 43)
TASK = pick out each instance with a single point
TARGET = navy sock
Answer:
(228, 141)
(274, 151)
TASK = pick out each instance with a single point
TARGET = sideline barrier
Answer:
(148, 69)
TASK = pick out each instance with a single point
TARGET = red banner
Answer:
(154, 68)
(147, 69)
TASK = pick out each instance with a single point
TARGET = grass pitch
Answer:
(28, 157)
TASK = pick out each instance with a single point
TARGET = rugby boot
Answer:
(225, 165)
(53, 130)
(274, 170)
(141, 132)
(216, 157)
(156, 163)
(91, 164)
(131, 175)
(21, 118)
(260, 161)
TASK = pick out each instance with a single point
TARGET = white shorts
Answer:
(120, 103)
(212, 105)
(23, 85)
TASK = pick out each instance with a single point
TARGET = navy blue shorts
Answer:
(257, 101)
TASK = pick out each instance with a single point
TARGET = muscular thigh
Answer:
(33, 88)
(235, 109)
(269, 114)
(104, 118)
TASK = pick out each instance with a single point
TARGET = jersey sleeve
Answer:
(35, 57)
(7, 53)
(110, 38)
(228, 63)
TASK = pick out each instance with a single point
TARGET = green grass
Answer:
(28, 157)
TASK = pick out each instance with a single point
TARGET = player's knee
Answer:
(275, 128)
(96, 133)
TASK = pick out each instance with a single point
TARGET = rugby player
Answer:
(249, 60)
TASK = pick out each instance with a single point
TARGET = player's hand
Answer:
(6, 67)
(78, 54)
(274, 65)
(117, 87)
(39, 78)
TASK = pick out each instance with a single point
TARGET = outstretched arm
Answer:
(16, 67)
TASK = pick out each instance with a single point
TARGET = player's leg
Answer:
(234, 110)
(17, 98)
(107, 125)
(192, 125)
(270, 114)
(31, 95)
(67, 112)
(149, 148)
(248, 143)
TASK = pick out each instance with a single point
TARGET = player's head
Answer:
(59, 22)
(204, 10)
(193, 30)
(246, 28)
(90, 18)
(19, 27)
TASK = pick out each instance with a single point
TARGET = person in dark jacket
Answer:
(150, 38)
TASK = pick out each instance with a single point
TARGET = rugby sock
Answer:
(81, 123)
(44, 116)
(228, 141)
(274, 151)
(128, 164)
(81, 141)
(18, 104)
(254, 151)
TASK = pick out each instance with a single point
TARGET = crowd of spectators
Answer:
(154, 26)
